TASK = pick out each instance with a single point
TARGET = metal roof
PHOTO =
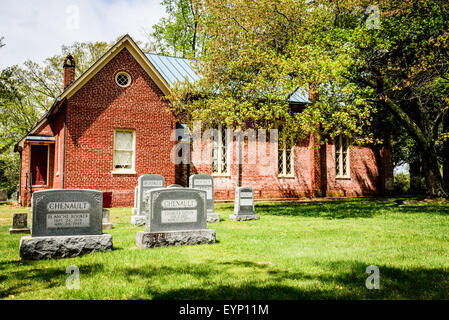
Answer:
(299, 96)
(175, 69)
(40, 138)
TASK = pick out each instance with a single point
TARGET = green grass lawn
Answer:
(317, 250)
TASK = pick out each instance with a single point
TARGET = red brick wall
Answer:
(364, 173)
(314, 173)
(101, 106)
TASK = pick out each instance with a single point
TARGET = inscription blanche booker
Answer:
(68, 220)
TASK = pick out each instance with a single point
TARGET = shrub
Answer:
(401, 183)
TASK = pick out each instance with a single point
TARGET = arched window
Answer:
(342, 157)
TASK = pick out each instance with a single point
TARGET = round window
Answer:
(123, 79)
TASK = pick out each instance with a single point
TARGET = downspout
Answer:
(240, 157)
(19, 192)
(63, 154)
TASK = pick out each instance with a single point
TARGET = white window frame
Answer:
(59, 155)
(125, 74)
(284, 173)
(132, 170)
(340, 154)
(219, 147)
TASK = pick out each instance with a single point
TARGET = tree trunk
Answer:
(415, 177)
(435, 186)
(434, 181)
(446, 152)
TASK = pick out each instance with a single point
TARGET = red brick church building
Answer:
(110, 125)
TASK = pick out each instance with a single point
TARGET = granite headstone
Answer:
(244, 205)
(19, 223)
(206, 182)
(134, 209)
(3, 195)
(175, 216)
(145, 183)
(106, 219)
(65, 223)
(66, 212)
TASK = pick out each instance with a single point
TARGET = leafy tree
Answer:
(43, 81)
(366, 72)
(26, 92)
(258, 53)
(178, 34)
(405, 63)
(17, 116)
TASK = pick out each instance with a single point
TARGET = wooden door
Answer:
(39, 165)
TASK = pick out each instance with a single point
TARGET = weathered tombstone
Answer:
(244, 205)
(206, 182)
(19, 223)
(145, 183)
(134, 209)
(3, 195)
(65, 223)
(106, 219)
(175, 217)
(175, 186)
(15, 197)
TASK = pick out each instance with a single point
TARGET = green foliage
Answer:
(401, 183)
(178, 34)
(9, 171)
(43, 81)
(406, 63)
(270, 49)
(26, 92)
(395, 74)
(17, 116)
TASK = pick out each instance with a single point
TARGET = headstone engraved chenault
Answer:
(145, 183)
(175, 216)
(244, 205)
(206, 182)
(19, 223)
(65, 223)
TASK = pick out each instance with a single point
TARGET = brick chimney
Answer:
(68, 71)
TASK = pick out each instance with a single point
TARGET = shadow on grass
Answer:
(349, 209)
(27, 277)
(339, 280)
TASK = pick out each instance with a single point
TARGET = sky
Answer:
(36, 30)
